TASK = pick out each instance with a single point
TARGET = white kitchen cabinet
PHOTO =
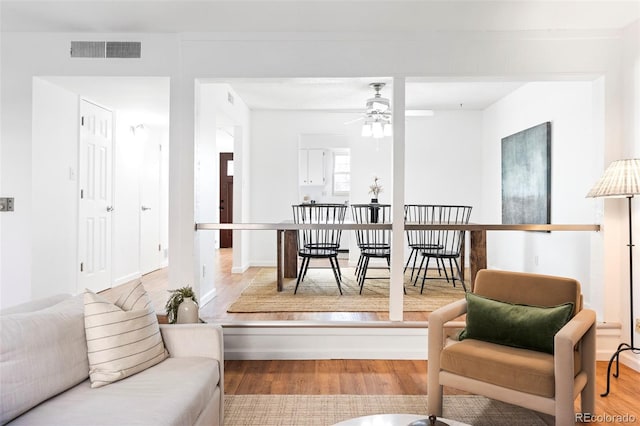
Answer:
(311, 166)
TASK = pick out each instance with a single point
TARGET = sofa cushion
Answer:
(514, 368)
(520, 326)
(42, 353)
(173, 392)
(36, 305)
(123, 338)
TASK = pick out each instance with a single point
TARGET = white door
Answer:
(150, 248)
(95, 206)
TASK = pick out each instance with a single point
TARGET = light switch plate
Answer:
(6, 204)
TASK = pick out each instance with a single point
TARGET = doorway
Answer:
(226, 198)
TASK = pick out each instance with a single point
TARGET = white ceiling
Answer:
(329, 17)
(350, 94)
(315, 15)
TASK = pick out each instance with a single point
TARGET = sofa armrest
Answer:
(436, 338)
(574, 331)
(580, 329)
(186, 340)
(453, 310)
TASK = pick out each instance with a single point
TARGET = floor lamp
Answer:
(621, 179)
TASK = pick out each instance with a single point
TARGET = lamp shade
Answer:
(620, 179)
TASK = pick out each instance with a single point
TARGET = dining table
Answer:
(287, 253)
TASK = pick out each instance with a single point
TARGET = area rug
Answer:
(322, 410)
(319, 293)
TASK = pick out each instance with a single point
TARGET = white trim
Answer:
(239, 269)
(630, 361)
(127, 278)
(208, 297)
(329, 342)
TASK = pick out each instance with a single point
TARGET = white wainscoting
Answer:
(281, 340)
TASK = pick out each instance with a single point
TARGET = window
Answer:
(341, 173)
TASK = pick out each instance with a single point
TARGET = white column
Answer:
(396, 294)
(182, 236)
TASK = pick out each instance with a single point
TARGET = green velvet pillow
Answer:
(521, 326)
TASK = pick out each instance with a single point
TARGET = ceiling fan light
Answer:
(388, 129)
(366, 130)
(377, 129)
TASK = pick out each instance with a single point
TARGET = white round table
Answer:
(392, 420)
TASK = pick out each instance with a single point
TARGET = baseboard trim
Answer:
(630, 361)
(127, 278)
(208, 297)
(239, 269)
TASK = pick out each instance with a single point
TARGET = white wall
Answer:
(442, 153)
(575, 148)
(274, 167)
(631, 138)
(53, 234)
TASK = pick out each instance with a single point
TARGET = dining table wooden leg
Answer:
(478, 255)
(279, 259)
(290, 259)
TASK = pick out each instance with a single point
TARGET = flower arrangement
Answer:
(375, 188)
(176, 298)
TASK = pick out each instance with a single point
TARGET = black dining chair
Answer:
(373, 243)
(449, 244)
(421, 239)
(319, 243)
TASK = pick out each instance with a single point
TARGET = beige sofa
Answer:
(44, 373)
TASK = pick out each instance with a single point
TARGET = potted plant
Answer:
(375, 189)
(178, 296)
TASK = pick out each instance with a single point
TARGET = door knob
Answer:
(145, 208)
(109, 209)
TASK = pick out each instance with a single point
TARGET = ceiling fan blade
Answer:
(354, 120)
(418, 113)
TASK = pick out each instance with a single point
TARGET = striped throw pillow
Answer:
(123, 338)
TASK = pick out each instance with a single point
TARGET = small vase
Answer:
(188, 312)
(374, 213)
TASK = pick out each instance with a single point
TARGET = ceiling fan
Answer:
(377, 114)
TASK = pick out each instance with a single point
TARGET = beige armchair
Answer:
(545, 382)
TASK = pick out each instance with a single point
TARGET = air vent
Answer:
(106, 49)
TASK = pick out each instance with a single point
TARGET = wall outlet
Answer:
(6, 204)
(637, 325)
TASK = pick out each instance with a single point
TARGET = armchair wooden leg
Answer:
(434, 400)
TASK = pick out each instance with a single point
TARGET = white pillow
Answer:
(42, 353)
(123, 338)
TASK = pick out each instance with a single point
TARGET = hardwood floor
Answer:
(392, 377)
(331, 377)
(229, 286)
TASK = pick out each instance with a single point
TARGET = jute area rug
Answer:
(319, 293)
(323, 410)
